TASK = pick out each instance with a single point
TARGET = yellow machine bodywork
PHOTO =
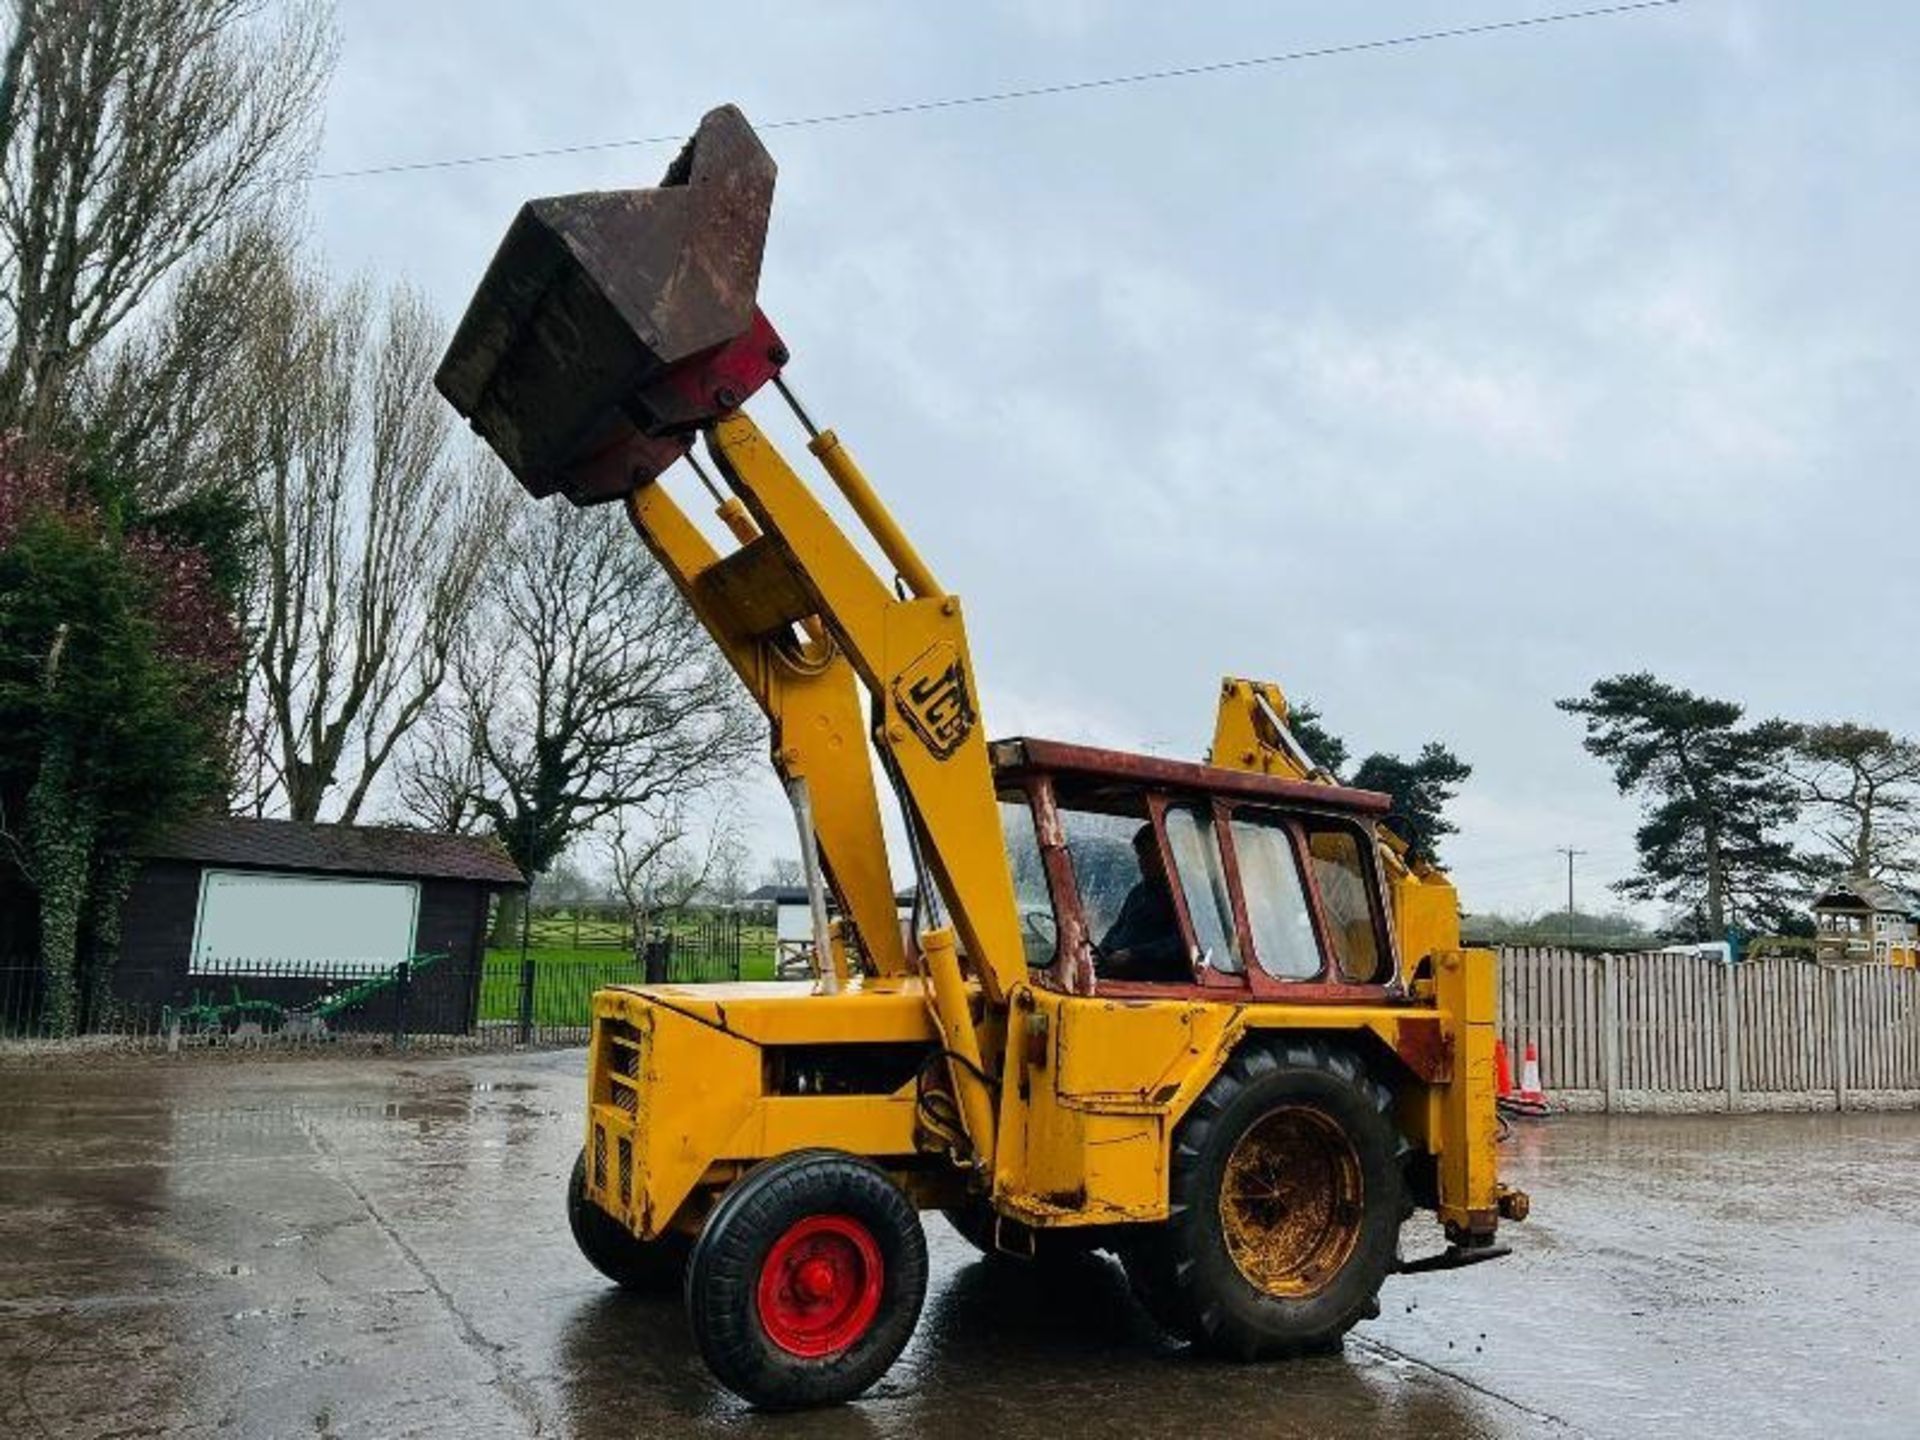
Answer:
(1090, 1089)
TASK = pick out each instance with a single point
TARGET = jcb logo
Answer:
(932, 694)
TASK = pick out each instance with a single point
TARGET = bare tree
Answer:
(659, 867)
(566, 886)
(591, 690)
(158, 410)
(440, 777)
(12, 63)
(785, 871)
(131, 133)
(1862, 785)
(727, 879)
(374, 533)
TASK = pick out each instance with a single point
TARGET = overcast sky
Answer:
(1433, 383)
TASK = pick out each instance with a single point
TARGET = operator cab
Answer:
(1135, 875)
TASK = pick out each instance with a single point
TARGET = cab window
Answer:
(1278, 917)
(1203, 884)
(1105, 866)
(1126, 896)
(1347, 899)
(1038, 933)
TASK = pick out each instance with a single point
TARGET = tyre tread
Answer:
(723, 1276)
(1164, 1263)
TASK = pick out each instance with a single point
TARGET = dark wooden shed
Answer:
(288, 912)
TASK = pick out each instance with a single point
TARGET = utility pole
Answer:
(1570, 852)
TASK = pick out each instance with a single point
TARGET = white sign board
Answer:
(352, 926)
(793, 922)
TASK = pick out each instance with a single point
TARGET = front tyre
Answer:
(1287, 1196)
(807, 1281)
(646, 1267)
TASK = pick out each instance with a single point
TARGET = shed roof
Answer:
(1857, 892)
(797, 895)
(778, 895)
(251, 843)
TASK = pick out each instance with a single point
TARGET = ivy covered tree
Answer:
(1716, 806)
(119, 661)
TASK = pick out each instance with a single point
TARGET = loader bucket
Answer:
(612, 325)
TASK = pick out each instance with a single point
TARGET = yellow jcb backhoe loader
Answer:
(1203, 1016)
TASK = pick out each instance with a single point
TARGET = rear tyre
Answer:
(1286, 1201)
(807, 1281)
(647, 1267)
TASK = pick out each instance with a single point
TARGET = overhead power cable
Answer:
(1034, 92)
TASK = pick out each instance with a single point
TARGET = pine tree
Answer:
(1714, 801)
(1420, 788)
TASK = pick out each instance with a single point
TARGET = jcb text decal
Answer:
(932, 694)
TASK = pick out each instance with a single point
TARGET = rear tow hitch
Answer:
(1452, 1258)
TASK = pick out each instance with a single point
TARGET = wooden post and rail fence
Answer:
(1677, 1031)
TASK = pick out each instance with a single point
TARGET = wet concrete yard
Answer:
(376, 1247)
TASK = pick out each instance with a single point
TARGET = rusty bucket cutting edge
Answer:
(598, 340)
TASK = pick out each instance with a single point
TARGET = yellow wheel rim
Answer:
(1292, 1201)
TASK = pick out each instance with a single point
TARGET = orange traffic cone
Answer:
(1530, 1090)
(1502, 1071)
(1529, 1099)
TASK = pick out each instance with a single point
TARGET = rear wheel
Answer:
(1287, 1197)
(643, 1266)
(807, 1281)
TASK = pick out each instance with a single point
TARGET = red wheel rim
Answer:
(820, 1286)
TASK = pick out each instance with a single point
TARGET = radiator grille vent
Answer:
(620, 1054)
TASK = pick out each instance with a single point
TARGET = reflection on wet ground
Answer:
(376, 1247)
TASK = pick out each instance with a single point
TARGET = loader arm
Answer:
(812, 704)
(911, 653)
(611, 331)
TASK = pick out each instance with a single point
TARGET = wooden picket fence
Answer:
(1673, 1030)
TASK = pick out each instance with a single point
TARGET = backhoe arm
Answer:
(1251, 732)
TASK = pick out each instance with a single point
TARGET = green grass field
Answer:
(565, 978)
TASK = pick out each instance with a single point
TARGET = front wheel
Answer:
(1287, 1198)
(807, 1281)
(647, 1267)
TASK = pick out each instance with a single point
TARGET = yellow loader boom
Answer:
(1203, 1016)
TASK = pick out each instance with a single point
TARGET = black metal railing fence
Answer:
(499, 997)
